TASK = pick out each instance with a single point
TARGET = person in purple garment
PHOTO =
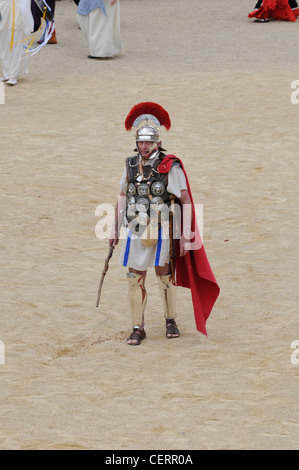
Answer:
(37, 16)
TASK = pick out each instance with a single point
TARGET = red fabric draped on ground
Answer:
(275, 9)
(193, 270)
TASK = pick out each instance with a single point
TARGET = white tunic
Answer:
(133, 253)
(102, 32)
(14, 61)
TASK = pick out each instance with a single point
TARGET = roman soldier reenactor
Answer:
(157, 210)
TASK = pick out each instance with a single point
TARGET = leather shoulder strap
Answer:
(132, 167)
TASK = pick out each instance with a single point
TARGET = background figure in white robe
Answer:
(16, 22)
(102, 32)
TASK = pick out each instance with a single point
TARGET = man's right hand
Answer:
(114, 239)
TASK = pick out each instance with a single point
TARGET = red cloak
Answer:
(276, 9)
(193, 270)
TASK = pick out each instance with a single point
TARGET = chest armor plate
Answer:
(147, 191)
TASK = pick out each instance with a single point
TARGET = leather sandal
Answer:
(172, 330)
(137, 335)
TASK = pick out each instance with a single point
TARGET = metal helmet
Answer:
(147, 133)
(147, 111)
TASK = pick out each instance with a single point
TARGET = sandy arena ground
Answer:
(69, 380)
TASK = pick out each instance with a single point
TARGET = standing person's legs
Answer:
(53, 39)
(13, 61)
(138, 299)
(37, 17)
(168, 294)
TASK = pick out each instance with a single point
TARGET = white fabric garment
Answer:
(133, 253)
(102, 32)
(14, 61)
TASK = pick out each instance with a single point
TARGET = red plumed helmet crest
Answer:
(147, 111)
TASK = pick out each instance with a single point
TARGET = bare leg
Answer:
(163, 270)
(168, 294)
(138, 299)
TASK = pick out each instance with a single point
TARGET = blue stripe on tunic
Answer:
(159, 245)
(127, 251)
